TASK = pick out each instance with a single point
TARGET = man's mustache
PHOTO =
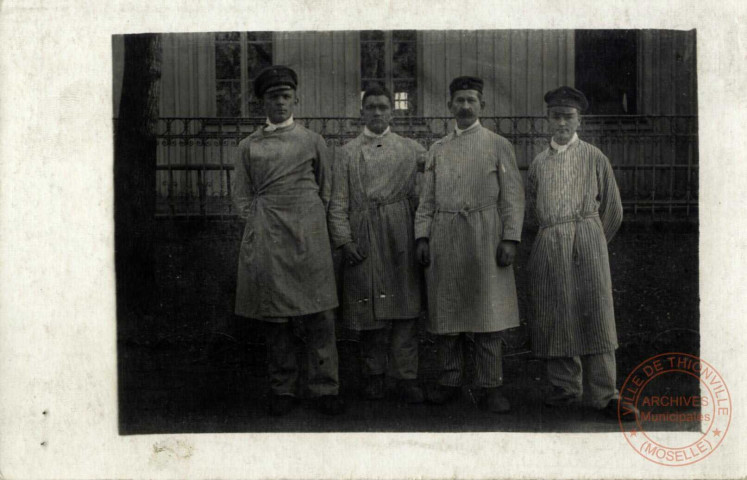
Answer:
(464, 113)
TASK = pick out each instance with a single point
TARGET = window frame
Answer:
(389, 79)
(246, 84)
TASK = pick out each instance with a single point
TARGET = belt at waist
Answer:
(371, 204)
(570, 219)
(283, 199)
(467, 210)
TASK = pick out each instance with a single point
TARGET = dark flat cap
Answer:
(567, 97)
(276, 75)
(465, 83)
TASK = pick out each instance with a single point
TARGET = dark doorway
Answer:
(607, 70)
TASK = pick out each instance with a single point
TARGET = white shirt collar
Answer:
(271, 127)
(563, 148)
(371, 134)
(459, 131)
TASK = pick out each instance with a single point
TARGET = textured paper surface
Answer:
(58, 410)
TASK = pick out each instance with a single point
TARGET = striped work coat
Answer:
(281, 186)
(373, 199)
(575, 200)
(472, 198)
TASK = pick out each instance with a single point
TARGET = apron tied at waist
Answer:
(579, 217)
(465, 212)
(261, 197)
(281, 199)
(569, 219)
(362, 238)
(374, 204)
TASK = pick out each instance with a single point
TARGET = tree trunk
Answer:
(135, 176)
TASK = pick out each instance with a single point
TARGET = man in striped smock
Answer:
(467, 227)
(371, 219)
(571, 191)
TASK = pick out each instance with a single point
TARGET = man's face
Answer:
(279, 104)
(564, 121)
(466, 106)
(377, 113)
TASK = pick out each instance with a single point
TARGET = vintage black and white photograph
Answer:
(391, 240)
(403, 230)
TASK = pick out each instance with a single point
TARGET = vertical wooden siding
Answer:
(667, 72)
(188, 75)
(187, 90)
(117, 71)
(518, 66)
(667, 85)
(328, 67)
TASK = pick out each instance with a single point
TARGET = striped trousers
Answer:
(590, 378)
(488, 359)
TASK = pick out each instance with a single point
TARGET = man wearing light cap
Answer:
(281, 188)
(467, 227)
(571, 191)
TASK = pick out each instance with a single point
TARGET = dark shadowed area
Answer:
(188, 365)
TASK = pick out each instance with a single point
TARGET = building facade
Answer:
(642, 87)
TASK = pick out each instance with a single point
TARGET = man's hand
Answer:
(352, 255)
(423, 252)
(506, 253)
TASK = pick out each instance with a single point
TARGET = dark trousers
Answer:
(488, 359)
(320, 354)
(393, 351)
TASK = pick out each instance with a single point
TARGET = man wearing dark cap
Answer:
(371, 220)
(281, 188)
(467, 227)
(572, 192)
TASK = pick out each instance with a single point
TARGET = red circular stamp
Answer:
(685, 409)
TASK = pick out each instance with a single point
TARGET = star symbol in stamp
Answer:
(716, 432)
(633, 433)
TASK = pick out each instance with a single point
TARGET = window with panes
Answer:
(390, 59)
(239, 57)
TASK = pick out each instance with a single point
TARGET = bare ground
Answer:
(190, 365)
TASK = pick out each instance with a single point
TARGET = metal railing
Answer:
(655, 157)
